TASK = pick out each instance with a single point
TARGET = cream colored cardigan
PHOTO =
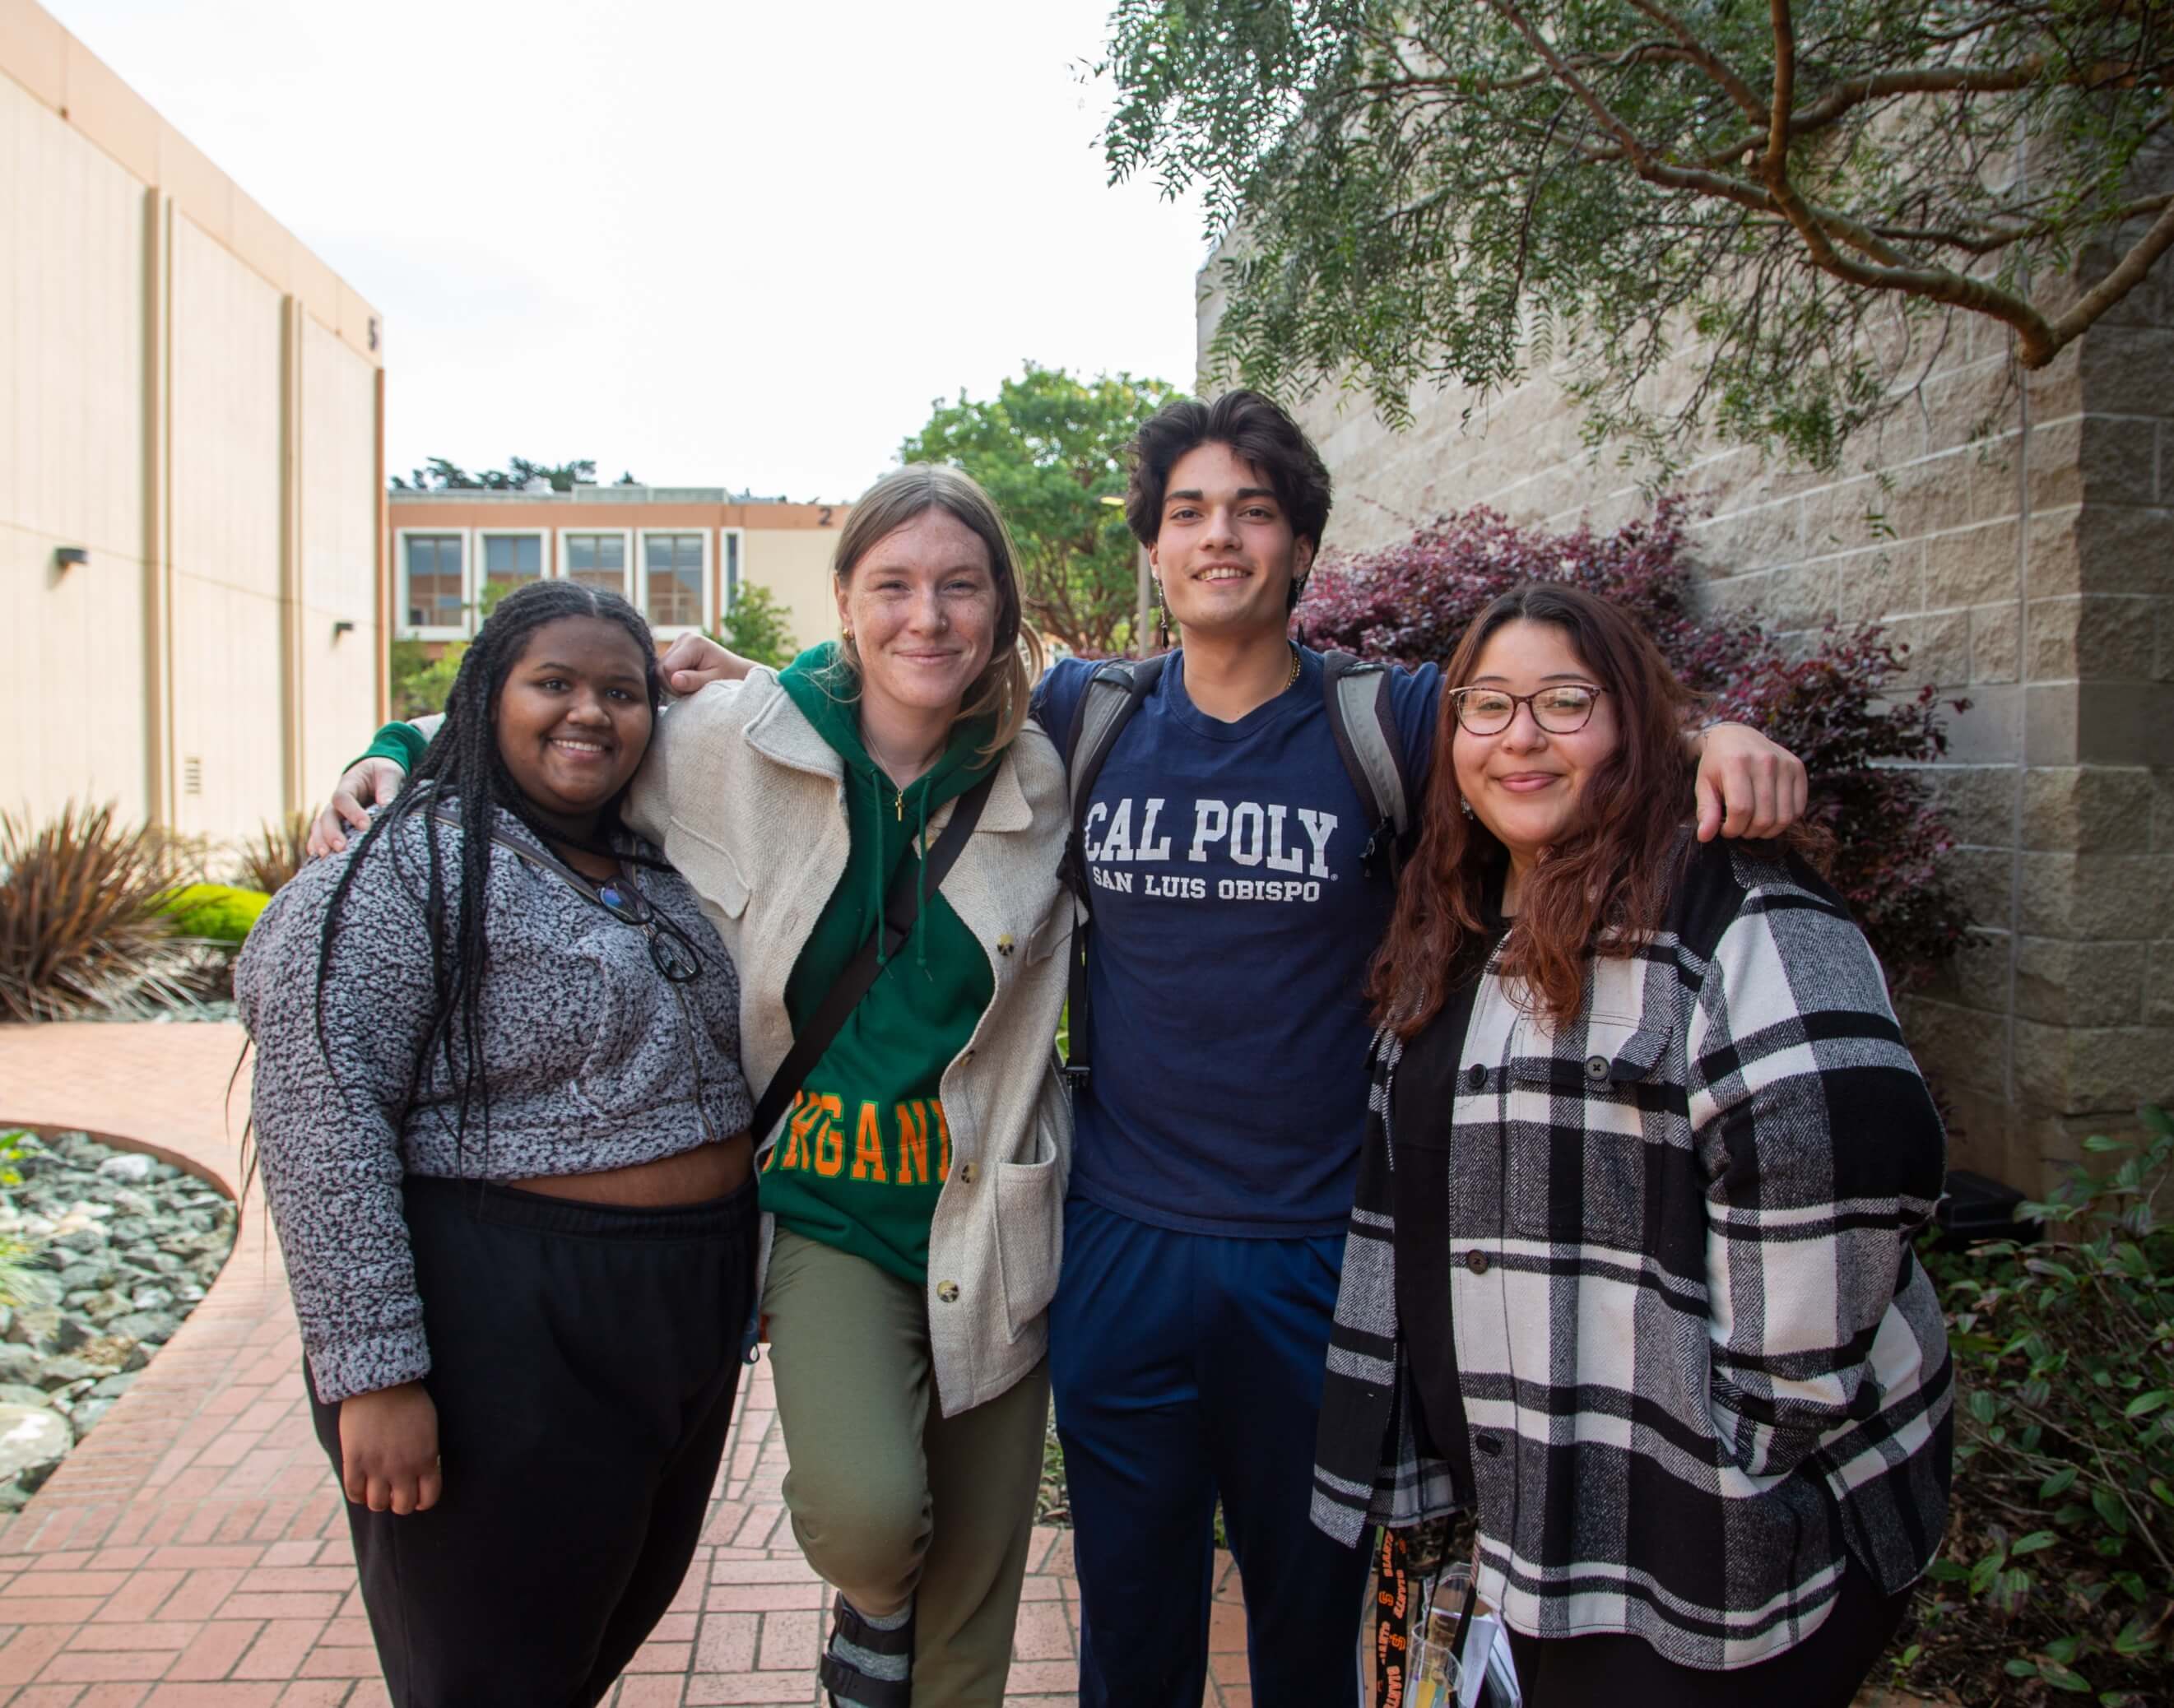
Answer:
(748, 801)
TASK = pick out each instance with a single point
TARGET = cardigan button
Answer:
(1475, 1075)
(1476, 1261)
(947, 1291)
(966, 1172)
(1596, 1069)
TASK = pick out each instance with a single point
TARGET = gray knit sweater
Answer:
(592, 1061)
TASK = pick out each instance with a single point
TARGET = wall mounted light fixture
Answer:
(342, 626)
(67, 557)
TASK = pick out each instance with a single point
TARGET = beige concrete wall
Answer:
(71, 430)
(795, 565)
(2031, 569)
(227, 502)
(193, 397)
(339, 554)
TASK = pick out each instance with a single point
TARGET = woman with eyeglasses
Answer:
(503, 1130)
(1629, 1274)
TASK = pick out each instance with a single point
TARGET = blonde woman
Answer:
(913, 1193)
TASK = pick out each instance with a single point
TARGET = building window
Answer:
(509, 560)
(672, 565)
(434, 598)
(597, 560)
(731, 567)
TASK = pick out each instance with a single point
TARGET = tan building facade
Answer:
(682, 555)
(2029, 568)
(192, 584)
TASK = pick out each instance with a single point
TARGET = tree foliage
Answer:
(1807, 193)
(1841, 704)
(441, 474)
(1049, 448)
(756, 628)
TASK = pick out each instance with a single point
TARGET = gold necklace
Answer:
(1293, 677)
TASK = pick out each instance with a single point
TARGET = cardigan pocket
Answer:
(1030, 1228)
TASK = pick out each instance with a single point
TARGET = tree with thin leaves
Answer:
(1049, 448)
(1799, 198)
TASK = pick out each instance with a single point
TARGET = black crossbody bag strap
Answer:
(901, 906)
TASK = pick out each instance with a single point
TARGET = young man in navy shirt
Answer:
(1218, 1134)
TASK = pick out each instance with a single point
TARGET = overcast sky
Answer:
(717, 243)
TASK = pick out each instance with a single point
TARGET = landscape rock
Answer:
(32, 1441)
(129, 1165)
(123, 1247)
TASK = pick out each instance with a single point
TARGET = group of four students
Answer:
(1569, 1180)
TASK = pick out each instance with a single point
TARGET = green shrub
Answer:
(2064, 1436)
(214, 912)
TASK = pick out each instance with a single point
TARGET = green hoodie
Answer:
(865, 1149)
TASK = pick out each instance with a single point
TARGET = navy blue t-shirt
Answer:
(1232, 929)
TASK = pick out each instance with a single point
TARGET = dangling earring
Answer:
(1467, 805)
(1162, 617)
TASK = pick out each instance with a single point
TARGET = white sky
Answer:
(718, 243)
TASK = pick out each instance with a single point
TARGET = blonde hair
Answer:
(1002, 690)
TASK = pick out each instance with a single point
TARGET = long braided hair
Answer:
(463, 774)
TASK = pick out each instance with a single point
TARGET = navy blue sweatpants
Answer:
(1186, 1366)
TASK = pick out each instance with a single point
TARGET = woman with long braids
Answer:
(503, 1131)
(1630, 1274)
(915, 1182)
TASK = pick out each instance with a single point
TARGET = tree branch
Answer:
(2114, 286)
(1704, 57)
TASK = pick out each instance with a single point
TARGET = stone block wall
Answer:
(2016, 533)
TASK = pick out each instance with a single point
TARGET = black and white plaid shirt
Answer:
(1700, 1364)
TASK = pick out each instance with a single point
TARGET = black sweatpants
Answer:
(583, 1359)
(1824, 1671)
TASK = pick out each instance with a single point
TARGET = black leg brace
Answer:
(854, 1650)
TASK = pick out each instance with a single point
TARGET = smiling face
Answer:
(921, 608)
(1524, 783)
(573, 718)
(1225, 553)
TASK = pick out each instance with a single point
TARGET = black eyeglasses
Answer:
(1564, 709)
(671, 951)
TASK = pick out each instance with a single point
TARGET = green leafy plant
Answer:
(1050, 447)
(756, 628)
(80, 923)
(2065, 1437)
(220, 913)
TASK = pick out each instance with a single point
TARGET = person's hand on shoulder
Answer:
(693, 662)
(1747, 785)
(389, 1449)
(365, 784)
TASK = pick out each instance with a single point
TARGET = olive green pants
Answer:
(890, 1500)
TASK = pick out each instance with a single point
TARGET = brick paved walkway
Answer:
(192, 1552)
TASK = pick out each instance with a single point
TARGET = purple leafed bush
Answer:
(1842, 705)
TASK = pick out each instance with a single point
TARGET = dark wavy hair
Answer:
(1253, 427)
(1604, 888)
(463, 771)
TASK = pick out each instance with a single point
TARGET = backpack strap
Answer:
(1365, 727)
(1112, 694)
(902, 904)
